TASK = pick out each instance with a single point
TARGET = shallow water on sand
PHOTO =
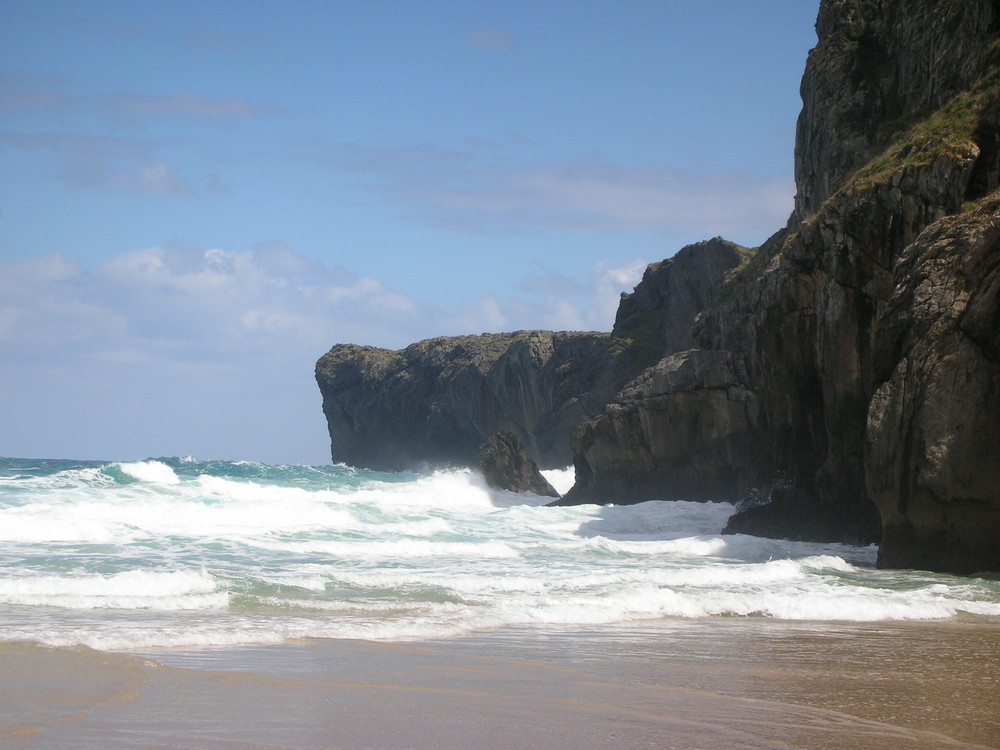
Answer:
(716, 683)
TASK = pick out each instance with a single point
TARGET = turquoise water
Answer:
(177, 552)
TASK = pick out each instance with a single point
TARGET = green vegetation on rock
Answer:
(949, 132)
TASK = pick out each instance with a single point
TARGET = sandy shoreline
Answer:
(680, 684)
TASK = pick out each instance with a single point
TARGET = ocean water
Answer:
(179, 553)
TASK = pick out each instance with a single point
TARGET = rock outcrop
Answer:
(683, 430)
(841, 382)
(830, 436)
(507, 465)
(932, 447)
(879, 68)
(660, 314)
(435, 402)
(823, 353)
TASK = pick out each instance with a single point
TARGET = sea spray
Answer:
(171, 552)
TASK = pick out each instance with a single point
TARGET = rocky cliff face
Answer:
(879, 68)
(822, 425)
(683, 430)
(435, 402)
(835, 285)
(843, 380)
(660, 315)
(932, 440)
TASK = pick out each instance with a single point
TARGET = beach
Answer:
(717, 683)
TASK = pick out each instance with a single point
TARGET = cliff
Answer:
(878, 69)
(841, 382)
(838, 408)
(922, 77)
(683, 430)
(436, 401)
(932, 439)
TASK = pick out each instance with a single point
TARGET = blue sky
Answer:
(198, 199)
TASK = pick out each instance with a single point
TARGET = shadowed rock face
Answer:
(435, 402)
(506, 465)
(932, 443)
(832, 311)
(878, 68)
(841, 381)
(822, 427)
(683, 430)
(661, 313)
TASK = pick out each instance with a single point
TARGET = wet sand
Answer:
(712, 684)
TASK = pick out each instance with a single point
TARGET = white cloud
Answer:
(187, 104)
(220, 306)
(608, 283)
(620, 276)
(115, 163)
(161, 179)
(356, 290)
(44, 311)
(583, 304)
(168, 350)
(486, 188)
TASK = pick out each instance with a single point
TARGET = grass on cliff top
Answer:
(754, 261)
(947, 132)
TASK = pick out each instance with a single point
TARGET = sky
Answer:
(197, 200)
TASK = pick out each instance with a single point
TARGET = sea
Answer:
(231, 605)
(178, 552)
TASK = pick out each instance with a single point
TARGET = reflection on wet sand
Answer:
(707, 684)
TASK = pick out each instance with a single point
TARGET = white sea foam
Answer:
(441, 490)
(398, 549)
(133, 589)
(49, 524)
(187, 553)
(61, 480)
(154, 472)
(561, 479)
(305, 582)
